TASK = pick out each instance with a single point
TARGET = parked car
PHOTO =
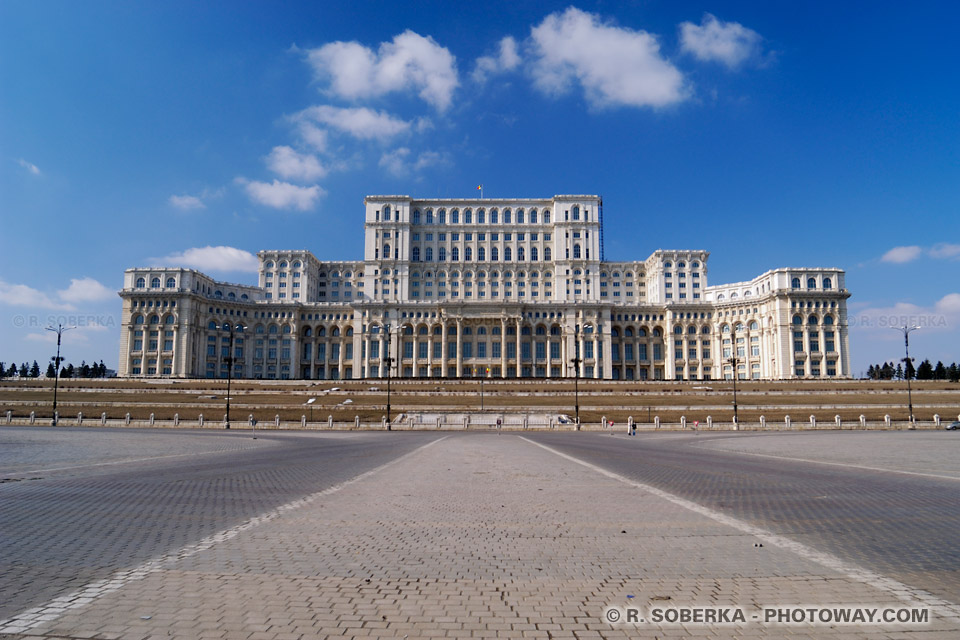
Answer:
(953, 426)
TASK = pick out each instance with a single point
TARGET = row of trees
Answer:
(905, 370)
(25, 370)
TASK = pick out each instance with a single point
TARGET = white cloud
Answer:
(187, 202)
(943, 315)
(86, 290)
(20, 295)
(313, 135)
(614, 65)
(29, 166)
(507, 59)
(400, 163)
(728, 42)
(282, 195)
(288, 163)
(940, 251)
(211, 259)
(409, 62)
(945, 250)
(900, 255)
(360, 122)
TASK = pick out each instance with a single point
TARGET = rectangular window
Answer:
(554, 350)
(496, 350)
(451, 349)
(422, 350)
(511, 350)
(407, 349)
(481, 349)
(525, 350)
(437, 350)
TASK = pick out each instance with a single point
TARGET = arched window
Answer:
(628, 332)
(297, 265)
(520, 253)
(725, 328)
(321, 332)
(827, 283)
(576, 212)
(429, 254)
(739, 327)
(494, 253)
(416, 254)
(154, 319)
(828, 320)
(171, 283)
(386, 212)
(547, 254)
(468, 217)
(506, 216)
(386, 251)
(811, 283)
(520, 216)
(481, 217)
(667, 265)
(754, 326)
(493, 216)
(692, 330)
(455, 254)
(416, 216)
(429, 217)
(212, 325)
(307, 332)
(533, 216)
(283, 265)
(155, 283)
(642, 333)
(812, 319)
(797, 320)
(678, 330)
(534, 255)
(576, 252)
(468, 254)
(231, 296)
(506, 254)
(259, 329)
(721, 297)
(273, 330)
(141, 283)
(455, 216)
(268, 265)
(442, 216)
(481, 254)
(286, 329)
(442, 254)
(138, 320)
(706, 329)
(795, 283)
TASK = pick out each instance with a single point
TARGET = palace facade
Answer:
(503, 288)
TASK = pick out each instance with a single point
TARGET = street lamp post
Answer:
(576, 360)
(906, 363)
(56, 369)
(733, 363)
(389, 362)
(230, 360)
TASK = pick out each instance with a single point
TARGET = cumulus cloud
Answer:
(209, 259)
(400, 162)
(409, 62)
(945, 250)
(288, 163)
(729, 43)
(506, 59)
(86, 290)
(359, 122)
(613, 65)
(20, 295)
(940, 251)
(29, 166)
(313, 135)
(187, 202)
(282, 195)
(942, 315)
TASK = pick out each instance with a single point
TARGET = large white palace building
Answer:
(503, 288)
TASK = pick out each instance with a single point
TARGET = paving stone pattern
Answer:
(475, 536)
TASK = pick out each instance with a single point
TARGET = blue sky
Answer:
(196, 134)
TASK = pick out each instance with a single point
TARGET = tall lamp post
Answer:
(906, 363)
(230, 359)
(56, 369)
(389, 362)
(733, 363)
(576, 360)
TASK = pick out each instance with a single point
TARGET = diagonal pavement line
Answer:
(897, 589)
(52, 610)
(703, 445)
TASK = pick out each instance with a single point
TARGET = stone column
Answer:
(444, 356)
(503, 347)
(430, 352)
(519, 352)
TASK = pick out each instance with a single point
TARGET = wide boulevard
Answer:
(228, 534)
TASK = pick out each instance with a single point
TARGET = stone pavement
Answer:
(472, 536)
